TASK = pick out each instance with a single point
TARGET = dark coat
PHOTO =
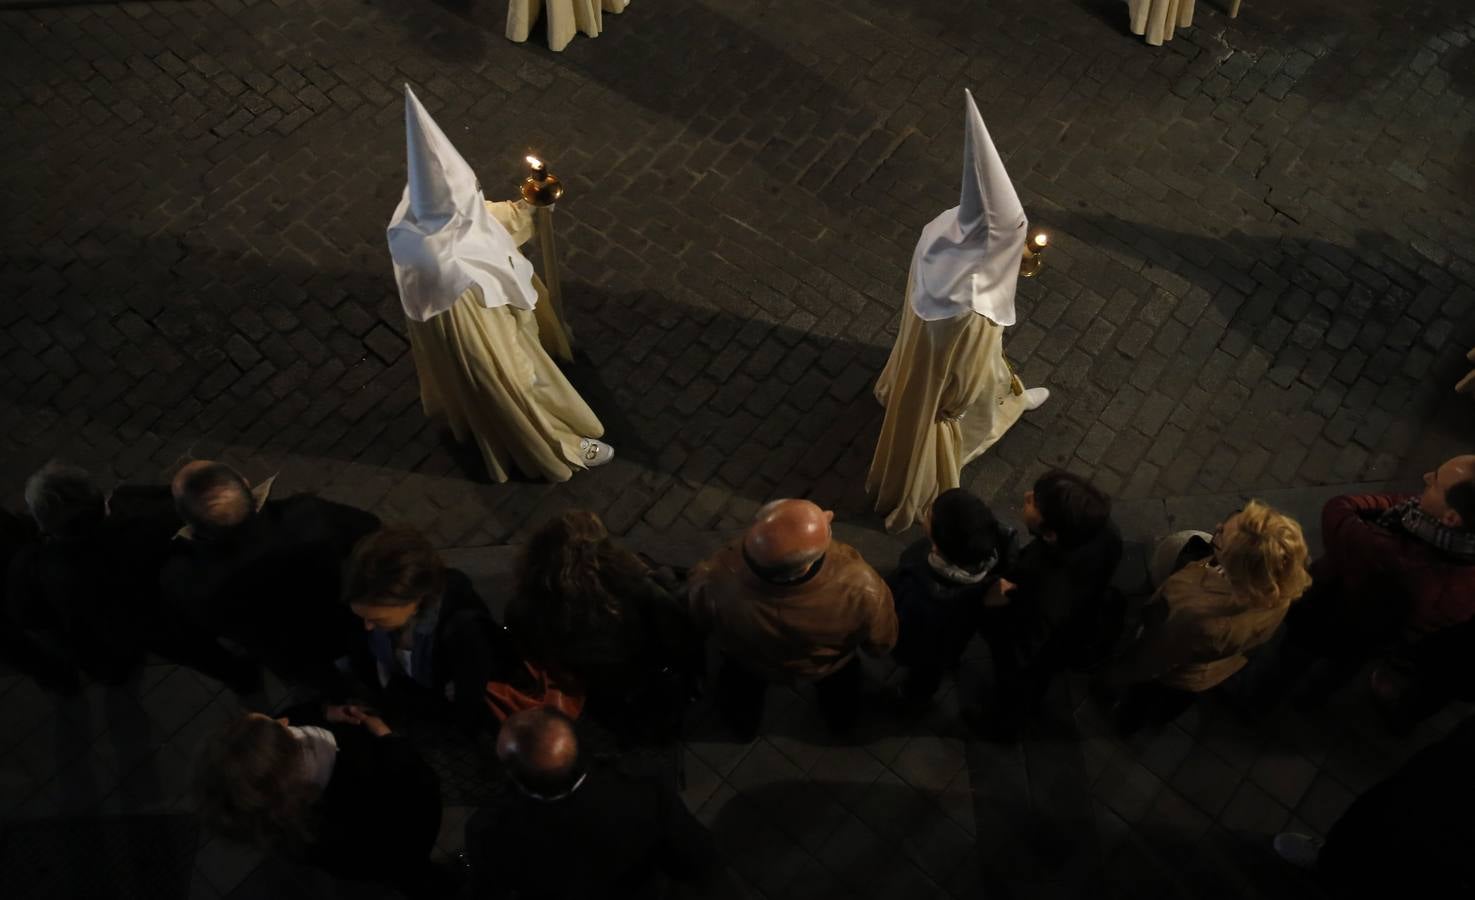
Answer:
(1060, 613)
(1383, 575)
(380, 813)
(470, 648)
(608, 839)
(936, 616)
(637, 670)
(92, 601)
(19, 647)
(1410, 835)
(273, 585)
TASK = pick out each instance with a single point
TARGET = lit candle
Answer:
(1042, 240)
(539, 169)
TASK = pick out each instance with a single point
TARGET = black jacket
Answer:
(612, 655)
(1059, 614)
(1410, 835)
(379, 815)
(608, 839)
(273, 585)
(937, 616)
(470, 649)
(93, 601)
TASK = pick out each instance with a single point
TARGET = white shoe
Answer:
(1034, 398)
(595, 453)
(1300, 850)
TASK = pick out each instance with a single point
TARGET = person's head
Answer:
(540, 751)
(251, 783)
(64, 501)
(572, 572)
(1263, 554)
(963, 529)
(1449, 493)
(787, 538)
(391, 574)
(212, 498)
(1065, 509)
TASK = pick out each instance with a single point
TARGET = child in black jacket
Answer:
(939, 585)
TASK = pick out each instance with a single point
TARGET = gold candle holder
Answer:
(1034, 255)
(541, 187)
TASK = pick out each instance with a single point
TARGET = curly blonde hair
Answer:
(1265, 558)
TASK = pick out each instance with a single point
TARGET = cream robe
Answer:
(488, 374)
(484, 372)
(1156, 19)
(949, 396)
(564, 18)
(517, 217)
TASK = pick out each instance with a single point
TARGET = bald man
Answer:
(263, 573)
(562, 830)
(1396, 569)
(214, 499)
(788, 602)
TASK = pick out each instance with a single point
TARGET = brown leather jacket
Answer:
(805, 630)
(1196, 631)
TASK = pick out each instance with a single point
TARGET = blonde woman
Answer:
(1206, 616)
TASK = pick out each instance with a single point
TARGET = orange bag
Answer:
(506, 699)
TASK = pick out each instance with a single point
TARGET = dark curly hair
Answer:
(252, 787)
(572, 579)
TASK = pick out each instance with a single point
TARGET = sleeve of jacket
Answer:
(678, 641)
(879, 631)
(1353, 542)
(698, 604)
(1157, 649)
(476, 657)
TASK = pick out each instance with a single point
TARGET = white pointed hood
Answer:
(441, 239)
(967, 259)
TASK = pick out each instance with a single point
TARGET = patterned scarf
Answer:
(1407, 517)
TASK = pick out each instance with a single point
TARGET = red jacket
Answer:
(1378, 566)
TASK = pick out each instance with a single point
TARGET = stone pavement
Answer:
(1260, 282)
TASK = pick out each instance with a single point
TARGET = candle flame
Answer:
(536, 163)
(1042, 240)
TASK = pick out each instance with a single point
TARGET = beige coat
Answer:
(949, 396)
(1196, 631)
(805, 630)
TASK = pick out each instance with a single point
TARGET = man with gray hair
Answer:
(64, 501)
(788, 602)
(85, 598)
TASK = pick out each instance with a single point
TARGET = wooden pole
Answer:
(548, 249)
(1234, 8)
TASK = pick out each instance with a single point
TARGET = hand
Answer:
(345, 714)
(998, 595)
(376, 725)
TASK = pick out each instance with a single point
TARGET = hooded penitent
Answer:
(441, 239)
(967, 259)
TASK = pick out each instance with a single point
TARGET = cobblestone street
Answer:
(1261, 281)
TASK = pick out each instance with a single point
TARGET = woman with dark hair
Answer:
(429, 634)
(589, 609)
(345, 794)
